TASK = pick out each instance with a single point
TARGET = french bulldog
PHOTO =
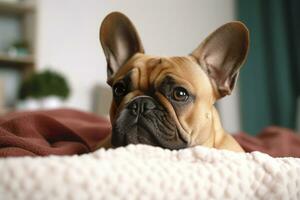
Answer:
(169, 101)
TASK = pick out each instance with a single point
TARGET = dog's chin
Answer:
(138, 135)
(149, 131)
(141, 136)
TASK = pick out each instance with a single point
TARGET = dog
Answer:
(169, 101)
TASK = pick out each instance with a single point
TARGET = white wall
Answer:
(68, 35)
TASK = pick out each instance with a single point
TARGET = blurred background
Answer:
(50, 54)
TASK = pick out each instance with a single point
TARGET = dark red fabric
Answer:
(56, 132)
(68, 132)
(273, 140)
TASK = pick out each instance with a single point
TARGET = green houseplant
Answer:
(46, 87)
(19, 48)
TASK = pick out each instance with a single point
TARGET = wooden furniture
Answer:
(17, 24)
(24, 12)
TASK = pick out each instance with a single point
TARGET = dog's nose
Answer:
(141, 105)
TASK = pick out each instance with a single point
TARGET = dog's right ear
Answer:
(119, 40)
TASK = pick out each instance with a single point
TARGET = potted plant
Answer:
(43, 90)
(19, 49)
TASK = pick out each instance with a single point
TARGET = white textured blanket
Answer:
(144, 172)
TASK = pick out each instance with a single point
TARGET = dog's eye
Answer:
(180, 94)
(119, 89)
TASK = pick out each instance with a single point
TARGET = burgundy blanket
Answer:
(275, 141)
(68, 132)
(56, 132)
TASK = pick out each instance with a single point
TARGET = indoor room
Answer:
(160, 99)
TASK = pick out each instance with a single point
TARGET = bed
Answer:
(42, 165)
(145, 172)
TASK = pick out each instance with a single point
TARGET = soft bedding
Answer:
(69, 132)
(145, 172)
(53, 155)
(51, 132)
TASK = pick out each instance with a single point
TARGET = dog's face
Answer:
(168, 101)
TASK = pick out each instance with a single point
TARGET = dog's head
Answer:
(168, 101)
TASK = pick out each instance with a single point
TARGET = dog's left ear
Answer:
(222, 53)
(119, 40)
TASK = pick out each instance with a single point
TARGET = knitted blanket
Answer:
(145, 172)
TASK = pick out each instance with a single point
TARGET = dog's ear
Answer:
(119, 41)
(222, 53)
